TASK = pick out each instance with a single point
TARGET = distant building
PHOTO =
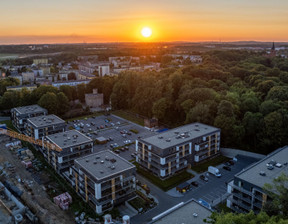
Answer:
(41, 126)
(70, 83)
(40, 61)
(272, 51)
(151, 123)
(94, 100)
(169, 152)
(45, 70)
(103, 70)
(188, 212)
(19, 88)
(28, 77)
(19, 115)
(74, 144)
(247, 187)
(103, 180)
(83, 76)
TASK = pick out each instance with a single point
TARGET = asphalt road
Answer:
(209, 191)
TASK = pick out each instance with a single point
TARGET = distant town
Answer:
(143, 132)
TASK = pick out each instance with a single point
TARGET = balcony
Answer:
(241, 189)
(242, 197)
(241, 204)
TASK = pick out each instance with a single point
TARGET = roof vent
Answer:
(168, 140)
(112, 167)
(102, 161)
(176, 132)
(195, 215)
(279, 165)
(262, 173)
(87, 160)
(68, 138)
(97, 157)
(196, 130)
(106, 158)
(101, 171)
(95, 162)
(160, 137)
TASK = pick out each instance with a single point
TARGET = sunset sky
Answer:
(70, 21)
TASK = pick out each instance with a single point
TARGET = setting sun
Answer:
(146, 32)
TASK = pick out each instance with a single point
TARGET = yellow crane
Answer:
(46, 144)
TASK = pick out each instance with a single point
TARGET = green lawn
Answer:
(96, 114)
(213, 162)
(9, 125)
(129, 117)
(138, 203)
(166, 184)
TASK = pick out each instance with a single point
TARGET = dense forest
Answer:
(243, 93)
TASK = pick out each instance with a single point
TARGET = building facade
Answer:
(74, 144)
(94, 99)
(19, 115)
(42, 126)
(247, 187)
(103, 180)
(171, 151)
(28, 77)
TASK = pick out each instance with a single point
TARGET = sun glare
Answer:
(146, 32)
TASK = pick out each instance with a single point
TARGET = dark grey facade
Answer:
(247, 187)
(19, 115)
(74, 145)
(103, 180)
(172, 151)
(42, 126)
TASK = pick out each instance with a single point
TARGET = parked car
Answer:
(227, 168)
(231, 162)
(195, 184)
(202, 177)
(122, 149)
(117, 151)
(126, 148)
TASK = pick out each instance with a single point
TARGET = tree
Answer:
(72, 76)
(249, 218)
(63, 103)
(81, 90)
(225, 108)
(49, 101)
(278, 192)
(159, 108)
(199, 113)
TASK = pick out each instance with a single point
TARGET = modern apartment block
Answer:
(247, 187)
(171, 151)
(42, 126)
(103, 180)
(19, 115)
(74, 144)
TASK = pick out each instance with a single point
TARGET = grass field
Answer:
(4, 56)
(129, 117)
(213, 162)
(166, 184)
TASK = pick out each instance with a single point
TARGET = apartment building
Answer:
(74, 144)
(19, 115)
(41, 126)
(247, 187)
(171, 151)
(103, 180)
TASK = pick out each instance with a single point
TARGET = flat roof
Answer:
(251, 174)
(68, 138)
(189, 212)
(179, 135)
(45, 120)
(103, 164)
(30, 109)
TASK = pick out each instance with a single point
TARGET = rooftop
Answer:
(252, 173)
(103, 164)
(30, 109)
(46, 120)
(68, 138)
(180, 135)
(189, 212)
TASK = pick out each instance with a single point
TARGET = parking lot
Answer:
(118, 133)
(215, 187)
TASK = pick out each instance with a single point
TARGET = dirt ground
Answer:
(34, 196)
